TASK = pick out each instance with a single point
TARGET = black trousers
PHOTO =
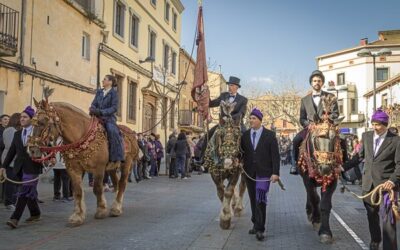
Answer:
(258, 210)
(172, 168)
(389, 230)
(20, 207)
(10, 189)
(61, 176)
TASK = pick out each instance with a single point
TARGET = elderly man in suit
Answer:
(237, 113)
(311, 110)
(381, 152)
(27, 169)
(261, 164)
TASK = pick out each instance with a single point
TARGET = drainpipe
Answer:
(22, 42)
(98, 66)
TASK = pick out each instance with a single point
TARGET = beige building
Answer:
(217, 85)
(189, 120)
(70, 45)
(141, 49)
(48, 43)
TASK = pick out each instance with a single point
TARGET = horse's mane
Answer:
(71, 108)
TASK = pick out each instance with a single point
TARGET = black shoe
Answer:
(130, 180)
(56, 198)
(260, 236)
(294, 170)
(374, 246)
(252, 231)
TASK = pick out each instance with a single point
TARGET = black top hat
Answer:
(317, 73)
(234, 80)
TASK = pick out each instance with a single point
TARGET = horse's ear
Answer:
(37, 104)
(338, 120)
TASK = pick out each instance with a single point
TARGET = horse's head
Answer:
(324, 140)
(228, 144)
(46, 127)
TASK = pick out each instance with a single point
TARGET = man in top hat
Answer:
(311, 109)
(237, 113)
(381, 152)
(261, 164)
(24, 168)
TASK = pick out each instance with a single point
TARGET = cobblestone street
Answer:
(166, 213)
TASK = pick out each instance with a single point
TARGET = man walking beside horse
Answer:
(261, 165)
(381, 151)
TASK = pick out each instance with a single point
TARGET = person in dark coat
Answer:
(311, 108)
(105, 106)
(261, 164)
(181, 150)
(4, 120)
(171, 156)
(381, 152)
(26, 169)
(238, 112)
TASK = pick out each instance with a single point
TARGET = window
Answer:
(87, 5)
(353, 106)
(132, 98)
(384, 101)
(284, 124)
(119, 18)
(174, 21)
(153, 2)
(340, 79)
(86, 46)
(167, 10)
(119, 80)
(166, 56)
(172, 115)
(152, 44)
(134, 31)
(173, 69)
(382, 74)
(340, 104)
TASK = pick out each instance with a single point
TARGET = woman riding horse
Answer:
(105, 106)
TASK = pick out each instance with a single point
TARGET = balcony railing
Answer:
(189, 118)
(8, 31)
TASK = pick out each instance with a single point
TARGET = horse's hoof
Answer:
(316, 225)
(238, 212)
(225, 224)
(114, 212)
(75, 220)
(325, 239)
(101, 214)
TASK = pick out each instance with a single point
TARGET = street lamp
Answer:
(369, 53)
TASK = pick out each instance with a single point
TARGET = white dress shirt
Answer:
(316, 97)
(377, 146)
(24, 136)
(257, 138)
(231, 97)
(105, 91)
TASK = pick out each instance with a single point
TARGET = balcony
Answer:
(190, 119)
(8, 31)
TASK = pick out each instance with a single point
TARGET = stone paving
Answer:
(165, 213)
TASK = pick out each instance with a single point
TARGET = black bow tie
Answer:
(232, 96)
(316, 96)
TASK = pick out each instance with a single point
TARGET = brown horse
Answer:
(222, 159)
(84, 149)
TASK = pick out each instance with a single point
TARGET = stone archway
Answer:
(149, 114)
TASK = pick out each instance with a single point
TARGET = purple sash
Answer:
(29, 190)
(262, 188)
(386, 208)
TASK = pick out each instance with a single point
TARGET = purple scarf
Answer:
(262, 188)
(386, 208)
(29, 190)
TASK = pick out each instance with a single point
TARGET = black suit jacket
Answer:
(23, 161)
(240, 108)
(385, 165)
(264, 161)
(308, 109)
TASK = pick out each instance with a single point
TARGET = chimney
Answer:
(364, 41)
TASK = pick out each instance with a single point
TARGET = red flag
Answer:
(200, 91)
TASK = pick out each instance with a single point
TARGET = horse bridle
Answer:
(47, 136)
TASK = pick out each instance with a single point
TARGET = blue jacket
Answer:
(108, 104)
